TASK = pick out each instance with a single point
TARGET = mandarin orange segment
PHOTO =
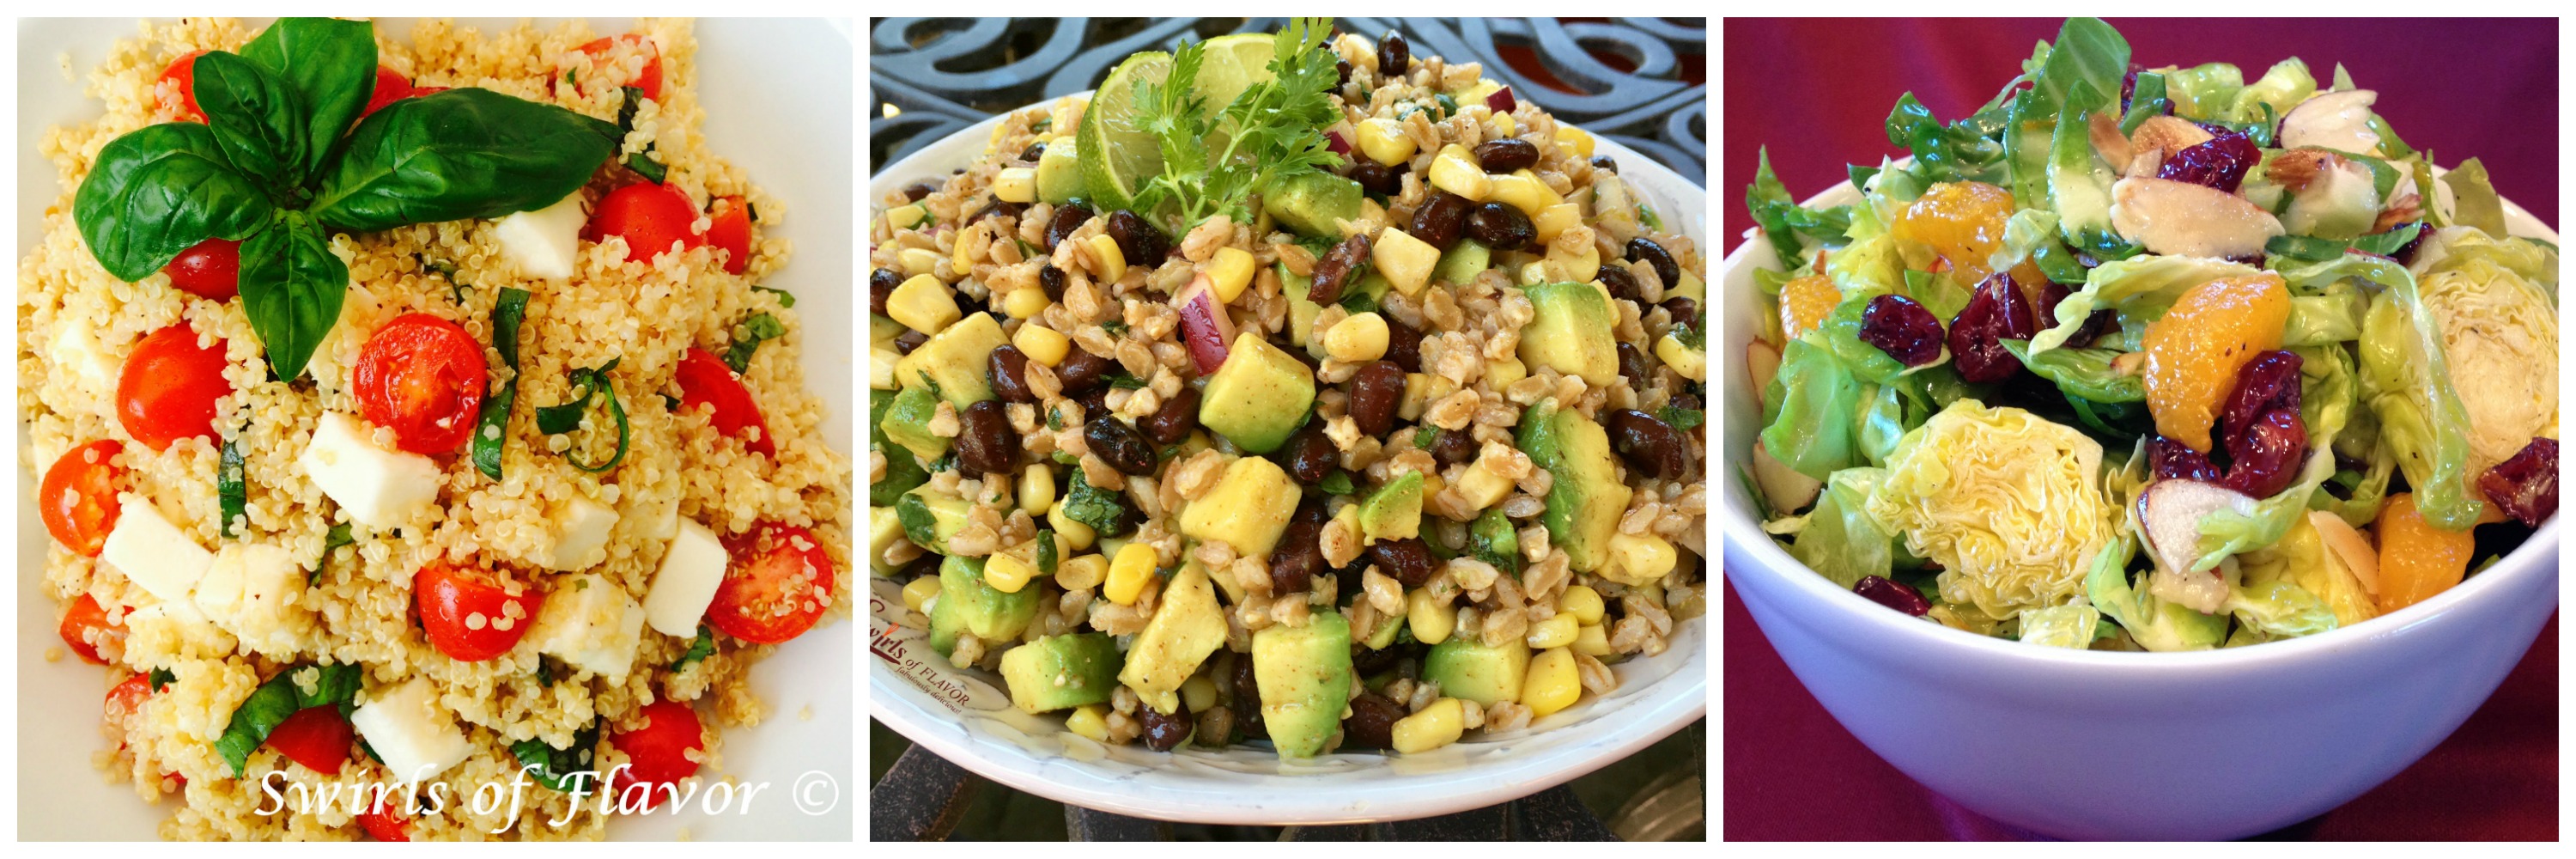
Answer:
(1804, 304)
(2416, 559)
(2195, 349)
(1964, 223)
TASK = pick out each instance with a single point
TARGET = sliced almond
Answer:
(2348, 546)
(2296, 168)
(2145, 163)
(1788, 490)
(2114, 147)
(2168, 133)
(2170, 217)
(2335, 120)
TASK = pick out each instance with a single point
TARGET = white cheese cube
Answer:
(380, 488)
(687, 581)
(411, 733)
(253, 591)
(591, 624)
(581, 534)
(83, 359)
(153, 553)
(543, 242)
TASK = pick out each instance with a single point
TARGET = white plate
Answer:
(970, 720)
(795, 142)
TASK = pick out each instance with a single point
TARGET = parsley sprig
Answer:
(1273, 131)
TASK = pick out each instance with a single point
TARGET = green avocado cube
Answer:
(1463, 262)
(1258, 396)
(1061, 671)
(967, 605)
(1248, 508)
(1182, 633)
(1309, 203)
(1584, 503)
(1059, 172)
(1569, 330)
(1394, 511)
(906, 423)
(1304, 676)
(1467, 669)
(954, 361)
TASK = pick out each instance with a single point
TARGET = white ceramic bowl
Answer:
(796, 142)
(2080, 744)
(966, 717)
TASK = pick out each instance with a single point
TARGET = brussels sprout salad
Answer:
(2153, 359)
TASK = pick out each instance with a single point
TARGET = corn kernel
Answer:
(1089, 720)
(1081, 571)
(1128, 573)
(1384, 141)
(1431, 617)
(1042, 344)
(1074, 531)
(1481, 487)
(957, 260)
(1016, 185)
(1504, 124)
(1582, 602)
(1574, 268)
(1523, 192)
(1229, 271)
(1552, 683)
(1639, 559)
(1417, 388)
(906, 216)
(1691, 288)
(1025, 303)
(1556, 631)
(884, 530)
(917, 261)
(923, 304)
(1357, 338)
(1198, 693)
(919, 591)
(1591, 641)
(1555, 219)
(1007, 573)
(881, 369)
(1533, 274)
(1455, 171)
(1437, 725)
(1037, 489)
(1501, 374)
(1580, 140)
(1112, 261)
(1691, 363)
(1404, 261)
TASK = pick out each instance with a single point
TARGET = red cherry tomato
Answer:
(125, 700)
(470, 614)
(651, 217)
(705, 380)
(383, 825)
(424, 377)
(78, 499)
(420, 91)
(777, 584)
(650, 78)
(169, 387)
(390, 87)
(180, 81)
(210, 270)
(85, 627)
(657, 752)
(731, 233)
(317, 737)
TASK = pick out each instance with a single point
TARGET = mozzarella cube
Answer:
(253, 591)
(411, 733)
(543, 242)
(591, 624)
(581, 535)
(82, 359)
(380, 488)
(687, 581)
(153, 553)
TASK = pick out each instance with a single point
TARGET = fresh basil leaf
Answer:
(339, 536)
(459, 154)
(644, 165)
(564, 770)
(492, 427)
(2146, 101)
(232, 492)
(758, 327)
(331, 65)
(1357, 303)
(257, 118)
(291, 288)
(2306, 248)
(785, 298)
(278, 698)
(699, 648)
(1683, 419)
(159, 190)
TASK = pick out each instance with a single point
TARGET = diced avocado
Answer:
(1394, 511)
(882, 331)
(906, 423)
(1569, 330)
(1304, 673)
(1466, 668)
(1463, 262)
(929, 518)
(1301, 313)
(902, 473)
(1187, 628)
(1493, 541)
(1258, 396)
(1059, 173)
(1387, 628)
(884, 527)
(1584, 503)
(1308, 203)
(954, 359)
(1248, 508)
(967, 604)
(1061, 671)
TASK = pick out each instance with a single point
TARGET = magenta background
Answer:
(1817, 93)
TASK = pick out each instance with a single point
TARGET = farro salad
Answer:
(410, 417)
(1294, 388)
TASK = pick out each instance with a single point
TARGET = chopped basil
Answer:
(492, 428)
(280, 697)
(1683, 419)
(785, 298)
(230, 488)
(699, 649)
(338, 537)
(1046, 551)
(563, 418)
(756, 328)
(564, 770)
(1422, 438)
(919, 524)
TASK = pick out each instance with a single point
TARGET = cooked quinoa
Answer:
(1401, 529)
(680, 474)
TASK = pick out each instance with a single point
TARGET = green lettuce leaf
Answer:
(2141, 288)
(2406, 380)
(2281, 88)
(1810, 412)
(2153, 623)
(2332, 317)
(2069, 626)
(1840, 540)
(2474, 200)
(2205, 92)
(2085, 373)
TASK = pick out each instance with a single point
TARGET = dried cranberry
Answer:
(2219, 162)
(1892, 595)
(2269, 382)
(2405, 254)
(1997, 312)
(2174, 460)
(2264, 457)
(1902, 328)
(2052, 294)
(2526, 486)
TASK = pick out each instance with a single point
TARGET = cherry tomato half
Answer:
(78, 499)
(317, 737)
(179, 82)
(85, 627)
(470, 614)
(124, 701)
(424, 377)
(731, 233)
(650, 217)
(209, 270)
(705, 380)
(390, 87)
(169, 387)
(383, 825)
(777, 583)
(657, 752)
(649, 79)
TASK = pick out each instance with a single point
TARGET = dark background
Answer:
(1817, 93)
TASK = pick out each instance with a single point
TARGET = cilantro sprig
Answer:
(1273, 131)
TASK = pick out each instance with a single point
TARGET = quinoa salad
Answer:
(1292, 389)
(409, 415)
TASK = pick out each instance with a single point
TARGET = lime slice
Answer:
(1234, 62)
(1118, 156)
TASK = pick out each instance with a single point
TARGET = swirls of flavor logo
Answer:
(558, 799)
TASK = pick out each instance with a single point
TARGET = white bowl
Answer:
(2088, 745)
(796, 142)
(969, 719)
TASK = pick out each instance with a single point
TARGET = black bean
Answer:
(1032, 153)
(1341, 73)
(1408, 560)
(1338, 267)
(1299, 556)
(1366, 661)
(1403, 345)
(926, 565)
(1642, 248)
(1138, 239)
(1683, 310)
(1122, 446)
(1392, 55)
(1649, 444)
(1501, 227)
(1093, 401)
(997, 207)
(1603, 162)
(1452, 447)
(1440, 219)
(1506, 154)
(917, 190)
(1174, 421)
(1067, 218)
(1051, 279)
(1009, 370)
(1081, 371)
(1632, 364)
(909, 340)
(881, 283)
(985, 442)
(1247, 699)
(1375, 393)
(1377, 178)
(1311, 454)
(1620, 283)
(1371, 724)
(1164, 732)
